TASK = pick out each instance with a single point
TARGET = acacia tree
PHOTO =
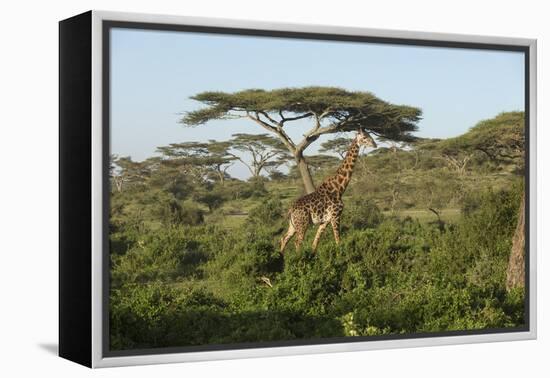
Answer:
(456, 153)
(456, 160)
(265, 152)
(124, 171)
(220, 158)
(320, 161)
(502, 139)
(337, 145)
(328, 110)
(199, 158)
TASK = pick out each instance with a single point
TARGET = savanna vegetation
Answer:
(428, 228)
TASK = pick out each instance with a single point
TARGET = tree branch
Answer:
(266, 115)
(277, 130)
(264, 124)
(326, 113)
(325, 130)
(305, 115)
(242, 161)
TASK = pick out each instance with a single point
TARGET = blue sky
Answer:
(153, 74)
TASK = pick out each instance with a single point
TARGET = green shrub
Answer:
(268, 213)
(191, 214)
(167, 254)
(361, 213)
(387, 276)
(257, 186)
(156, 315)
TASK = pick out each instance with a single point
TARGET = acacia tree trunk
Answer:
(305, 173)
(221, 175)
(515, 275)
(257, 170)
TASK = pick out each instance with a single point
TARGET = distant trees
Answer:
(126, 172)
(329, 110)
(337, 145)
(276, 175)
(211, 159)
(198, 171)
(200, 159)
(502, 139)
(318, 162)
(457, 160)
(220, 158)
(265, 152)
(455, 153)
(209, 197)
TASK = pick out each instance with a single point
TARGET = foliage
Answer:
(320, 162)
(348, 111)
(330, 110)
(337, 145)
(361, 213)
(200, 159)
(268, 212)
(498, 139)
(397, 276)
(196, 262)
(265, 151)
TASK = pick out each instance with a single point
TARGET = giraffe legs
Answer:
(289, 234)
(300, 236)
(335, 223)
(320, 230)
(298, 224)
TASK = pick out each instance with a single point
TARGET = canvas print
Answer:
(273, 190)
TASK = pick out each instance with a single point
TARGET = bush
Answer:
(268, 213)
(361, 213)
(167, 254)
(191, 214)
(212, 198)
(157, 315)
(388, 276)
(257, 187)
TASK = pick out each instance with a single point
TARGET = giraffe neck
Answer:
(343, 174)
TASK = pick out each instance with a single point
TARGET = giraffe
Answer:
(324, 205)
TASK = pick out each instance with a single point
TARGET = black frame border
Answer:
(108, 25)
(75, 189)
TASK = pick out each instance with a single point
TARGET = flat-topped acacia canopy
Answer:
(331, 110)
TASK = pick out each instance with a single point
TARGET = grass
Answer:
(425, 216)
(233, 221)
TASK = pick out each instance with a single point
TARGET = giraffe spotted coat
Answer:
(324, 206)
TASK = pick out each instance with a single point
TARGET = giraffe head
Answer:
(364, 139)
